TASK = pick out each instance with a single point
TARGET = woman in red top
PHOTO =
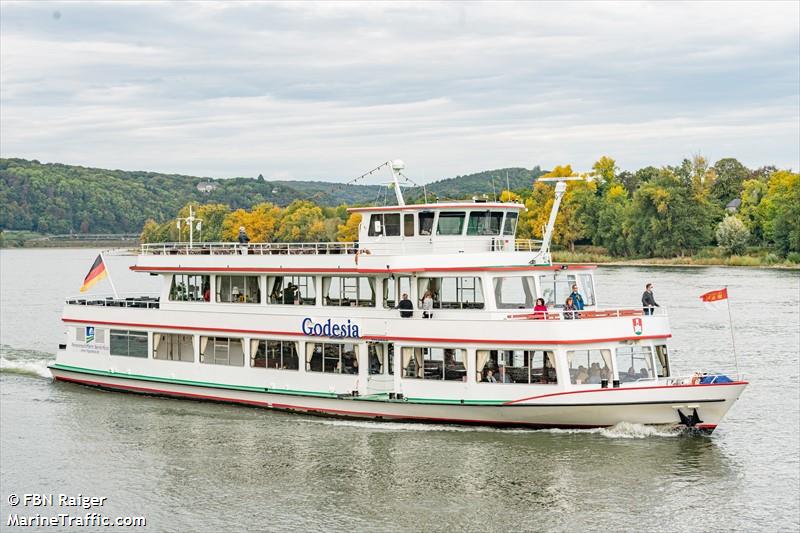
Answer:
(540, 310)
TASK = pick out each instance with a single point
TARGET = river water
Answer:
(188, 466)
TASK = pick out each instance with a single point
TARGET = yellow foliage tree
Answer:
(560, 172)
(510, 196)
(303, 221)
(260, 223)
(348, 232)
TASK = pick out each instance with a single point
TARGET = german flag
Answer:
(96, 273)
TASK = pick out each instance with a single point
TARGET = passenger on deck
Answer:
(570, 311)
(427, 305)
(406, 307)
(648, 300)
(577, 299)
(289, 293)
(206, 293)
(490, 377)
(644, 374)
(631, 375)
(243, 240)
(540, 309)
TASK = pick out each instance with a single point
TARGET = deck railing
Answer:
(333, 248)
(138, 301)
(617, 312)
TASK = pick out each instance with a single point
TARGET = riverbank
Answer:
(764, 260)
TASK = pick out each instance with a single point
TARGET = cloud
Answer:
(323, 90)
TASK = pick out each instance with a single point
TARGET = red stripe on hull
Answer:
(368, 337)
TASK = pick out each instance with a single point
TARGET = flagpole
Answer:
(733, 340)
(111, 281)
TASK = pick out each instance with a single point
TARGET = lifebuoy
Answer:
(362, 252)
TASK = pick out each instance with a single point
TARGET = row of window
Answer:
(489, 223)
(510, 292)
(447, 364)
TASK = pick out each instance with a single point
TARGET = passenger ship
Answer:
(315, 328)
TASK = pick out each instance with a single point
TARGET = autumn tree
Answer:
(348, 232)
(303, 221)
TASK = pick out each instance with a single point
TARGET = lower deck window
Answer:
(634, 363)
(171, 347)
(129, 343)
(662, 361)
(274, 354)
(381, 357)
(515, 366)
(221, 351)
(449, 364)
(589, 366)
(332, 357)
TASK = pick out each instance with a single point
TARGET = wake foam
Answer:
(24, 362)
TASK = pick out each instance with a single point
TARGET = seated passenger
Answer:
(540, 310)
(631, 375)
(582, 375)
(490, 377)
(594, 375)
(504, 377)
(644, 374)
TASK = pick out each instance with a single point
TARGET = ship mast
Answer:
(561, 188)
(397, 166)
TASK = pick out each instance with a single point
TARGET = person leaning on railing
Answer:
(648, 300)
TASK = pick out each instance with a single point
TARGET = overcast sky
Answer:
(329, 90)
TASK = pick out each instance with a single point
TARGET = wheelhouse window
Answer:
(349, 291)
(662, 361)
(387, 224)
(128, 343)
(515, 292)
(332, 357)
(589, 366)
(453, 293)
(515, 366)
(190, 288)
(381, 357)
(274, 354)
(447, 364)
(556, 289)
(172, 347)
(393, 290)
(635, 363)
(408, 224)
(221, 351)
(510, 226)
(292, 290)
(450, 223)
(426, 222)
(238, 289)
(485, 223)
(586, 288)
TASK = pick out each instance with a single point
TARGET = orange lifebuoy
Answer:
(360, 252)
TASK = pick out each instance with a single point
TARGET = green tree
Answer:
(730, 174)
(611, 219)
(732, 235)
(781, 211)
(303, 221)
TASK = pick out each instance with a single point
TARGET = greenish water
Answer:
(190, 466)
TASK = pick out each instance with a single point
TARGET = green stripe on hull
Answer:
(371, 398)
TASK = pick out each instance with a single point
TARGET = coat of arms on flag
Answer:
(637, 326)
(712, 299)
(89, 334)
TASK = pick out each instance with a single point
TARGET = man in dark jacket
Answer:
(648, 300)
(406, 307)
(243, 240)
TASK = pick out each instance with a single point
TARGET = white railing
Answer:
(586, 314)
(414, 245)
(138, 301)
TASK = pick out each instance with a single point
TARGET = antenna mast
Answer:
(397, 166)
(561, 188)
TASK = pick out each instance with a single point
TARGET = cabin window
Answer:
(332, 357)
(292, 290)
(387, 224)
(221, 351)
(586, 288)
(274, 354)
(634, 363)
(426, 222)
(515, 366)
(381, 357)
(393, 289)
(484, 223)
(516, 292)
(243, 289)
(128, 343)
(589, 366)
(662, 361)
(448, 364)
(171, 347)
(190, 288)
(349, 291)
(408, 224)
(510, 226)
(453, 293)
(555, 290)
(450, 223)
